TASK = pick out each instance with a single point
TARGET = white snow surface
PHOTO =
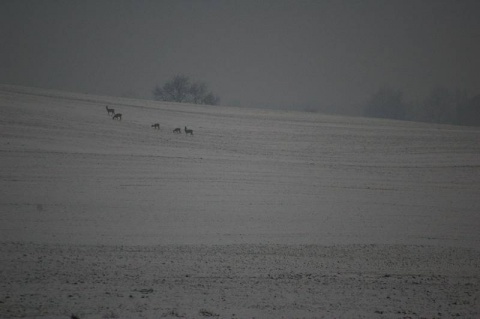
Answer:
(260, 213)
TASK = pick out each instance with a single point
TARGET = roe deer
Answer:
(188, 131)
(177, 130)
(117, 116)
(156, 126)
(110, 110)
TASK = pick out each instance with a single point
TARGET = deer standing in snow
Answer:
(110, 110)
(188, 131)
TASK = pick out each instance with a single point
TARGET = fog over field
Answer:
(263, 211)
(71, 173)
(259, 213)
(329, 56)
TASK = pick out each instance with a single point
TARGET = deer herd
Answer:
(118, 116)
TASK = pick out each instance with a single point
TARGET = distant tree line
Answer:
(181, 89)
(441, 105)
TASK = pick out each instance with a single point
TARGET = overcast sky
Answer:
(328, 55)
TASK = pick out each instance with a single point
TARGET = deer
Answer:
(188, 131)
(117, 116)
(110, 110)
(177, 130)
(156, 126)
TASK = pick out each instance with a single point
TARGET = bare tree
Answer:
(444, 106)
(175, 90)
(386, 103)
(198, 91)
(211, 99)
(441, 105)
(181, 89)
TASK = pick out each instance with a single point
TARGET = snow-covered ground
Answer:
(260, 213)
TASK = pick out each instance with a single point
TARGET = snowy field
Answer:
(260, 213)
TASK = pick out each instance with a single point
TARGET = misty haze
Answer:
(325, 56)
(239, 159)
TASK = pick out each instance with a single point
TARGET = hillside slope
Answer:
(258, 214)
(72, 174)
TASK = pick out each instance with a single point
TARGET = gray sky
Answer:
(328, 55)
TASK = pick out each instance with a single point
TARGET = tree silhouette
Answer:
(175, 90)
(386, 103)
(181, 89)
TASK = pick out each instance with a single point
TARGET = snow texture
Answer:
(259, 213)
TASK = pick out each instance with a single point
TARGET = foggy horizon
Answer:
(324, 55)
